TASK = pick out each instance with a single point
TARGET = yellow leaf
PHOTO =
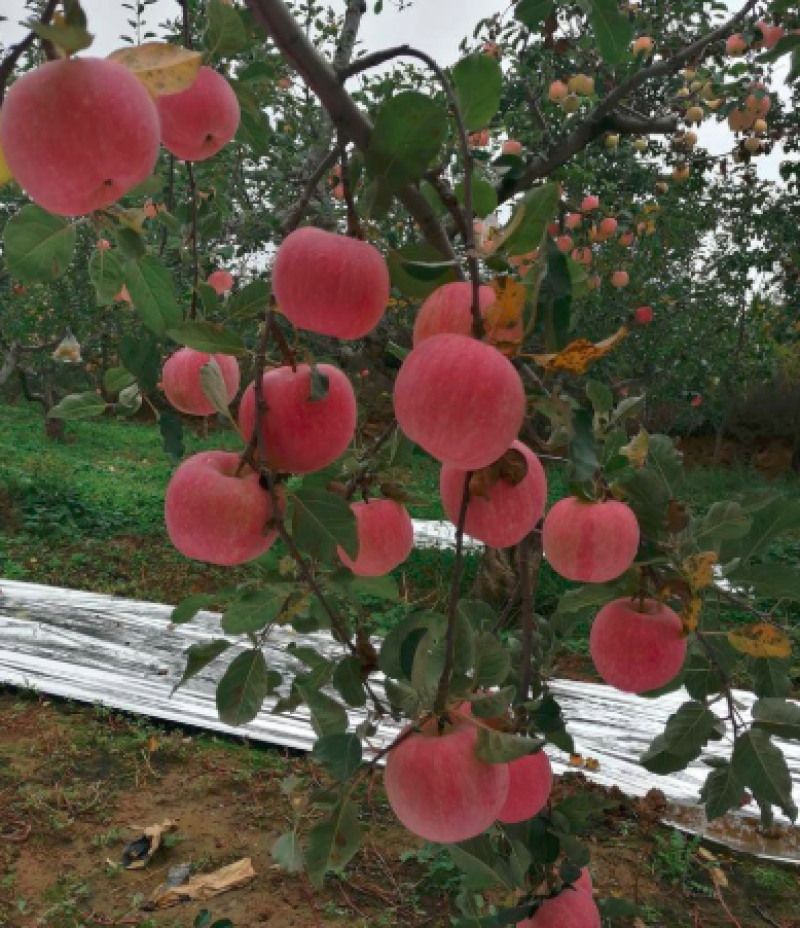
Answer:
(761, 641)
(162, 68)
(578, 355)
(506, 311)
(690, 615)
(575, 760)
(699, 569)
(592, 764)
(637, 449)
(5, 170)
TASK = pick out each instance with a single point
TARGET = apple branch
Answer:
(320, 75)
(17, 51)
(298, 211)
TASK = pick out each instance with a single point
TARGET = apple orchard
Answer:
(115, 171)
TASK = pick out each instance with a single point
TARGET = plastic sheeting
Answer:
(124, 654)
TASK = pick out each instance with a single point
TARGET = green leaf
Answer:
(199, 656)
(778, 516)
(777, 717)
(328, 717)
(148, 188)
(288, 852)
(770, 581)
(582, 449)
(131, 243)
(408, 134)
(152, 290)
(600, 396)
(613, 30)
(244, 687)
(690, 728)
(116, 379)
(721, 792)
(69, 38)
(107, 274)
(480, 863)
(225, 35)
(771, 677)
(340, 754)
(38, 246)
(492, 663)
(398, 648)
(332, 843)
(214, 388)
(499, 747)
(208, 336)
(491, 705)
(129, 401)
(484, 197)
(79, 406)
(321, 521)
(208, 298)
(478, 81)
(580, 809)
(140, 356)
(319, 384)
(171, 428)
(348, 680)
(658, 758)
(531, 216)
(186, 610)
(402, 261)
(250, 302)
(759, 765)
(722, 522)
(255, 610)
(532, 13)
(356, 589)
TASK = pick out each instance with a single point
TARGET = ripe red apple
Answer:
(620, 279)
(626, 239)
(584, 881)
(608, 226)
(460, 400)
(221, 281)
(590, 204)
(643, 315)
(439, 789)
(78, 134)
(510, 512)
(180, 380)
(301, 434)
(582, 256)
(636, 647)
(573, 220)
(214, 516)
(736, 45)
(643, 46)
(530, 780)
(200, 121)
(330, 284)
(590, 542)
(564, 244)
(512, 147)
(572, 908)
(385, 537)
(449, 309)
(771, 35)
(558, 91)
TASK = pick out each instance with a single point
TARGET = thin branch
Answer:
(353, 225)
(195, 248)
(367, 459)
(17, 51)
(443, 691)
(296, 214)
(530, 555)
(278, 22)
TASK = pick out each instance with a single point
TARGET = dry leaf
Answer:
(690, 614)
(718, 877)
(575, 760)
(592, 764)
(578, 355)
(637, 449)
(512, 467)
(699, 569)
(139, 853)
(162, 68)
(678, 518)
(205, 886)
(761, 641)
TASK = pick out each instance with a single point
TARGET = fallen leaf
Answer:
(204, 886)
(761, 641)
(578, 355)
(162, 68)
(139, 853)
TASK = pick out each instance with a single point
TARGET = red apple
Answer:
(460, 400)
(385, 537)
(302, 434)
(644, 315)
(449, 309)
(572, 908)
(215, 516)
(330, 284)
(530, 780)
(636, 646)
(180, 380)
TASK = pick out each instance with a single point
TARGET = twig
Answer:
(295, 216)
(443, 690)
(17, 51)
(353, 225)
(724, 904)
(767, 918)
(526, 563)
(368, 457)
(195, 250)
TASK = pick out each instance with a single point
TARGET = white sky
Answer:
(436, 26)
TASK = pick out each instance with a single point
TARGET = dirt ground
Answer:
(78, 783)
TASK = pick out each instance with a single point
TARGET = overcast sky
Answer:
(436, 26)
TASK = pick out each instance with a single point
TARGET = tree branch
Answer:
(10, 362)
(17, 51)
(279, 24)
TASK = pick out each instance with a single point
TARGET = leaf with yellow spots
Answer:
(637, 449)
(699, 569)
(761, 641)
(503, 319)
(690, 614)
(162, 68)
(5, 170)
(578, 355)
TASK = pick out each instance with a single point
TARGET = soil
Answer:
(78, 783)
(771, 456)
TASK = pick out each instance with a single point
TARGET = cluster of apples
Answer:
(80, 133)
